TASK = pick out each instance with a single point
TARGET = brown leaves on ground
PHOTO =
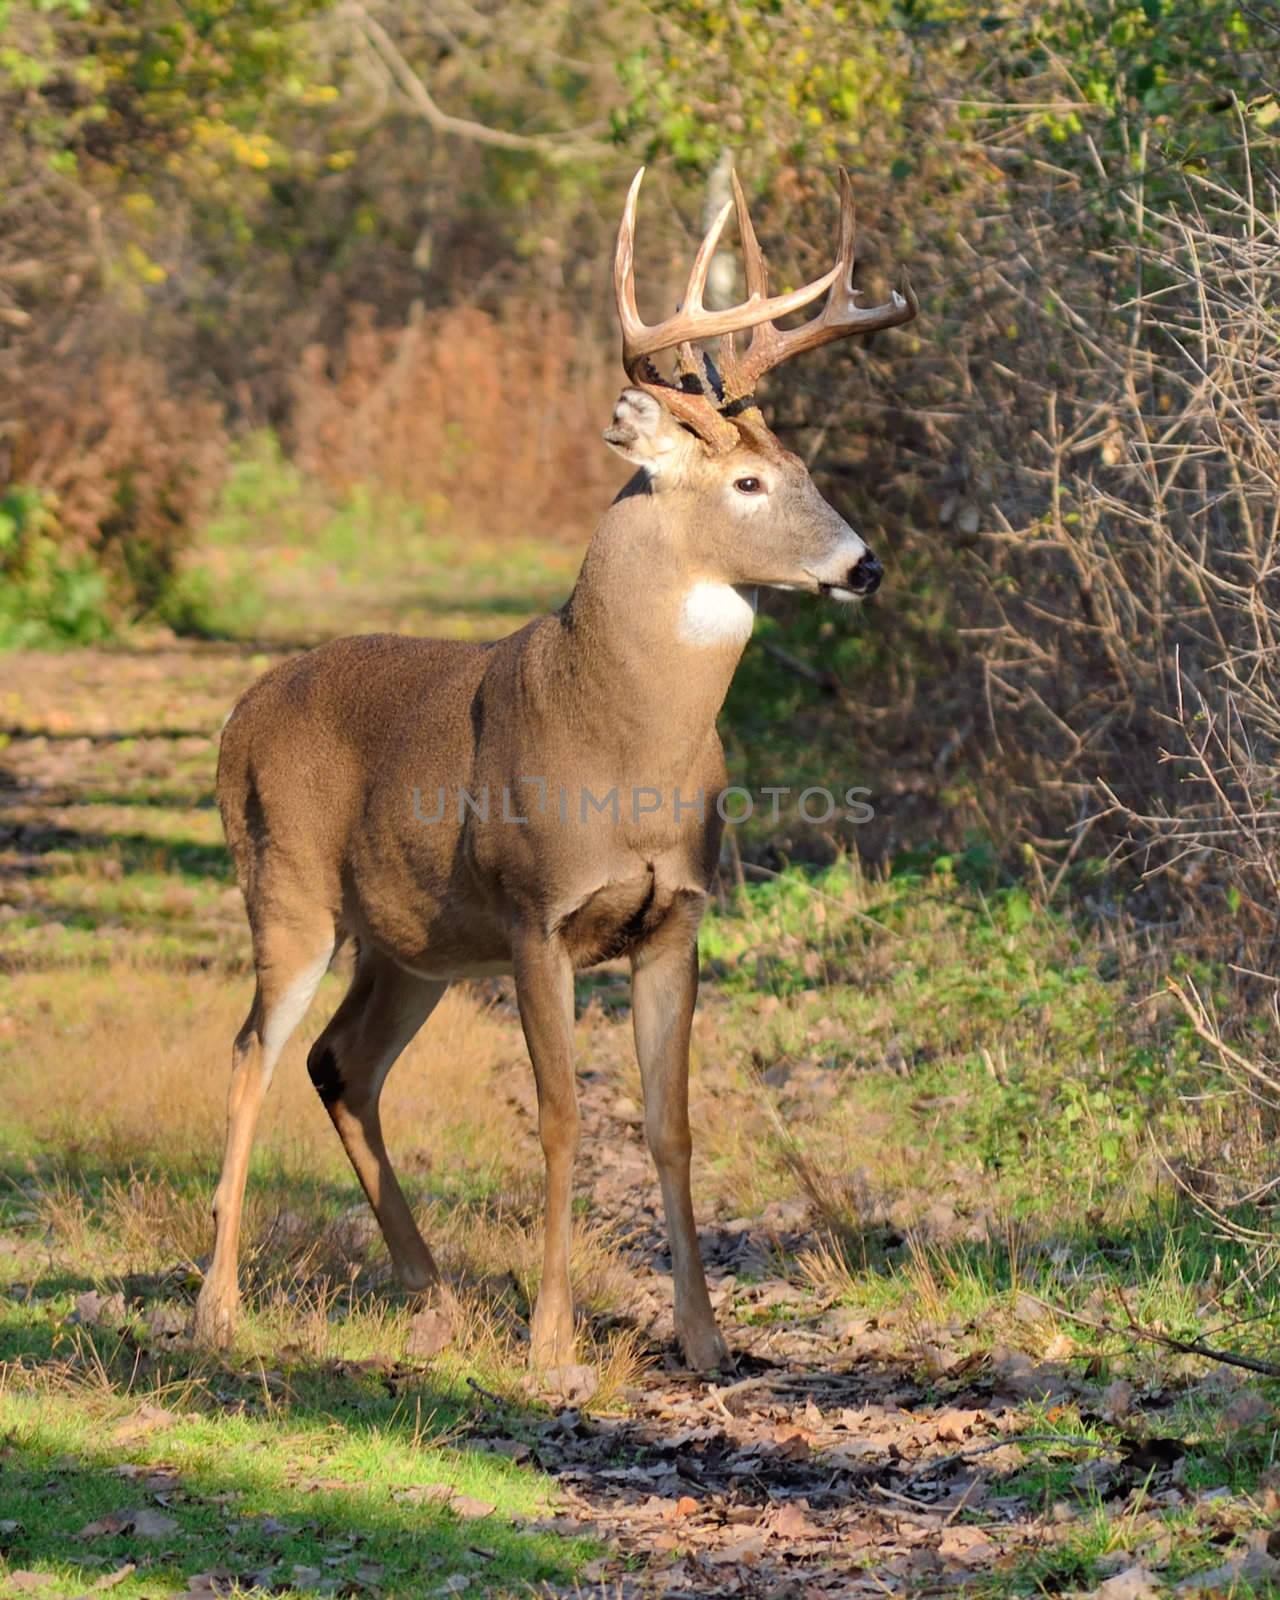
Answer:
(93, 1309)
(443, 1494)
(143, 1523)
(147, 1419)
(40, 1584)
(1134, 1583)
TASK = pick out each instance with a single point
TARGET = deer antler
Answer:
(640, 342)
(693, 402)
(838, 319)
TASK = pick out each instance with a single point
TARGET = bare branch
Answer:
(552, 147)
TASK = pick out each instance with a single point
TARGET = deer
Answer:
(338, 769)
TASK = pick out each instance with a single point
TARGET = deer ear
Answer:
(644, 432)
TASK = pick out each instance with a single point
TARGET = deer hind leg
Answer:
(290, 965)
(348, 1065)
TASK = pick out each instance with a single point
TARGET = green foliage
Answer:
(969, 943)
(1116, 89)
(146, 86)
(49, 593)
(196, 606)
(775, 79)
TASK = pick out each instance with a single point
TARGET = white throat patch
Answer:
(715, 613)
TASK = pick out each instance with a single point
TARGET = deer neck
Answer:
(647, 646)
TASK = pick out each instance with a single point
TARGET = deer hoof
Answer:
(705, 1350)
(215, 1318)
(551, 1342)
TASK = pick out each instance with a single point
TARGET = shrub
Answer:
(128, 466)
(49, 594)
(486, 423)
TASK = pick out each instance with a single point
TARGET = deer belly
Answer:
(612, 919)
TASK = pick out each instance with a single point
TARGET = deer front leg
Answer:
(664, 990)
(544, 990)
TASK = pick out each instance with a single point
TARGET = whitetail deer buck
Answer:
(326, 761)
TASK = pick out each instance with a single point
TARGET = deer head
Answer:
(747, 510)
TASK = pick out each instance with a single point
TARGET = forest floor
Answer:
(930, 1114)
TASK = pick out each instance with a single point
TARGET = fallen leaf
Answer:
(108, 1580)
(792, 1444)
(1247, 1408)
(430, 1332)
(970, 1547)
(954, 1424)
(462, 1505)
(147, 1419)
(457, 1584)
(938, 1360)
(1134, 1583)
(1117, 1400)
(102, 1527)
(747, 1550)
(219, 1581)
(143, 1523)
(167, 1322)
(513, 1449)
(424, 1494)
(1255, 1566)
(95, 1309)
(788, 1521)
(149, 1524)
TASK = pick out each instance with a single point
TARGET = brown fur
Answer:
(318, 770)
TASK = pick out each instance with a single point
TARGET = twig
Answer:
(1190, 1347)
(719, 1396)
(551, 146)
(1076, 1440)
(961, 1503)
(1198, 1018)
(907, 1500)
(802, 669)
(485, 1394)
(1194, 1347)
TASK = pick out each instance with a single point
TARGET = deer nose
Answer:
(865, 576)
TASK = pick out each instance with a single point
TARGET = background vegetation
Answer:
(306, 327)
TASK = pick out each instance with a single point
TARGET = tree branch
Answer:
(552, 147)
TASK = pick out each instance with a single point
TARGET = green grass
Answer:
(322, 565)
(958, 1089)
(291, 1476)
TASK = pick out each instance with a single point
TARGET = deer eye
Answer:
(748, 485)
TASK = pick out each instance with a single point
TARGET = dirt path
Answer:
(829, 1461)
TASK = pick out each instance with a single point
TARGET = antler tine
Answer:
(692, 305)
(692, 321)
(624, 270)
(846, 254)
(757, 270)
(838, 319)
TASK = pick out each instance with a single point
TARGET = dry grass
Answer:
(133, 1073)
(140, 1060)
